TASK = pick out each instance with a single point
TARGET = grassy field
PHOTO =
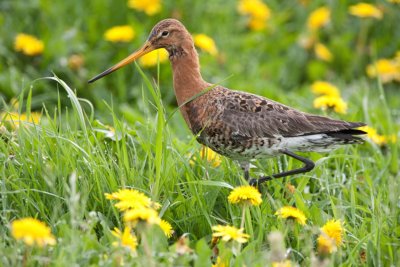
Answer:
(124, 131)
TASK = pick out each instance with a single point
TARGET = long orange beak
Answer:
(146, 48)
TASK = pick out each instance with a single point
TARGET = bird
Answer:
(239, 125)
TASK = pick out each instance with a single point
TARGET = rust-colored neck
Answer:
(186, 71)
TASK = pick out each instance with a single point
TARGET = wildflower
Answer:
(126, 238)
(220, 263)
(331, 102)
(364, 10)
(322, 52)
(151, 59)
(150, 7)
(167, 228)
(288, 212)
(124, 33)
(388, 70)
(394, 1)
(330, 237)
(28, 44)
(318, 18)
(286, 263)
(378, 139)
(15, 119)
(245, 195)
(205, 43)
(325, 88)
(258, 12)
(131, 199)
(228, 233)
(32, 232)
(76, 61)
(209, 155)
(142, 214)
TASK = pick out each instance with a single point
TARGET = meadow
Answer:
(108, 174)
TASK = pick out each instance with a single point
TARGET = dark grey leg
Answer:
(308, 166)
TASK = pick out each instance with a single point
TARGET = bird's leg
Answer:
(245, 167)
(308, 166)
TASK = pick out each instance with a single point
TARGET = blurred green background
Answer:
(272, 61)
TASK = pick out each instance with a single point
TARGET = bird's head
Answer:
(168, 34)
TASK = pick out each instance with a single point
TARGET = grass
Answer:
(124, 132)
(59, 170)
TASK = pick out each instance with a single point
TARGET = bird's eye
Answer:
(164, 33)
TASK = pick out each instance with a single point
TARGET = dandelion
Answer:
(32, 231)
(16, 119)
(150, 7)
(123, 34)
(394, 1)
(388, 70)
(151, 59)
(205, 43)
(322, 52)
(142, 214)
(330, 237)
(289, 212)
(228, 233)
(245, 195)
(318, 18)
(131, 199)
(28, 45)
(325, 88)
(126, 239)
(166, 227)
(286, 263)
(378, 139)
(220, 263)
(331, 102)
(258, 12)
(364, 10)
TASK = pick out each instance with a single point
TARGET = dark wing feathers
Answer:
(249, 115)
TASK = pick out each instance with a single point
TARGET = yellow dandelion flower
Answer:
(220, 263)
(289, 212)
(245, 195)
(331, 102)
(388, 70)
(322, 52)
(150, 7)
(28, 45)
(142, 214)
(15, 119)
(151, 59)
(330, 237)
(286, 263)
(258, 12)
(211, 156)
(325, 88)
(394, 1)
(167, 228)
(228, 233)
(32, 232)
(131, 199)
(319, 18)
(126, 239)
(378, 139)
(205, 43)
(364, 10)
(257, 24)
(123, 34)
